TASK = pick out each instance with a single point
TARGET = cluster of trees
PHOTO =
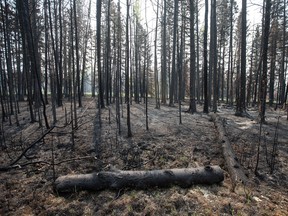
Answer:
(230, 60)
(50, 47)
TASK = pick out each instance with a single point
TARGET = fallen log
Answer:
(234, 168)
(120, 179)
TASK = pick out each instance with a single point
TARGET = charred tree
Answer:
(263, 92)
(127, 89)
(192, 104)
(100, 81)
(241, 103)
(173, 75)
(118, 179)
(205, 66)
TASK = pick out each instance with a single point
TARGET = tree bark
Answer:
(263, 84)
(205, 52)
(127, 89)
(140, 179)
(100, 81)
(241, 103)
(164, 53)
(234, 168)
(173, 75)
(192, 102)
(77, 56)
(157, 97)
(213, 51)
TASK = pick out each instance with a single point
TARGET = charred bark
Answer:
(234, 168)
(119, 179)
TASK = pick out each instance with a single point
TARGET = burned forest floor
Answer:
(27, 188)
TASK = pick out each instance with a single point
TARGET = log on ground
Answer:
(120, 179)
(234, 168)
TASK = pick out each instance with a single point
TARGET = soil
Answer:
(27, 189)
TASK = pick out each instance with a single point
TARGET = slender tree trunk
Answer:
(155, 62)
(60, 53)
(164, 56)
(223, 72)
(46, 51)
(198, 86)
(73, 81)
(230, 62)
(127, 71)
(180, 68)
(118, 71)
(77, 56)
(263, 92)
(249, 85)
(192, 104)
(273, 54)
(173, 78)
(55, 53)
(108, 50)
(241, 105)
(86, 38)
(205, 109)
(282, 74)
(214, 54)
(101, 93)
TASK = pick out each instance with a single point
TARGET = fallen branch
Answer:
(45, 162)
(234, 168)
(119, 179)
(11, 165)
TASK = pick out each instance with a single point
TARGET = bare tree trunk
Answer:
(229, 92)
(263, 92)
(192, 104)
(155, 62)
(273, 54)
(119, 179)
(107, 62)
(282, 74)
(127, 93)
(118, 71)
(213, 51)
(241, 105)
(46, 51)
(86, 37)
(60, 53)
(173, 77)
(205, 109)
(199, 87)
(164, 56)
(100, 82)
(77, 56)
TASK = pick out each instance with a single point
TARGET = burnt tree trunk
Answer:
(140, 179)
(234, 168)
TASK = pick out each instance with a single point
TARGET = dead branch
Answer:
(45, 162)
(25, 150)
